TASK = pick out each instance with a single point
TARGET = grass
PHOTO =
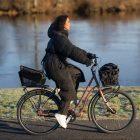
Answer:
(8, 102)
(10, 97)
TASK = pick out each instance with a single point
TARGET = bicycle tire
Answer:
(106, 129)
(25, 98)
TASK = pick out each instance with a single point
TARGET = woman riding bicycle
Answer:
(65, 75)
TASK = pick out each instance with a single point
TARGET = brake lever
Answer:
(95, 61)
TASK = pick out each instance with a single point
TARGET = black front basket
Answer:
(30, 77)
(109, 74)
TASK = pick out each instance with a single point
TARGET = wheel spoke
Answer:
(31, 120)
(33, 104)
(120, 114)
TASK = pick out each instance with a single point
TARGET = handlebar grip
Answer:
(95, 60)
(94, 56)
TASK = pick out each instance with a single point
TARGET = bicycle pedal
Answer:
(72, 113)
(68, 119)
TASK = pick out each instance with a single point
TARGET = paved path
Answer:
(79, 130)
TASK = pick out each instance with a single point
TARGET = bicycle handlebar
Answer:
(94, 57)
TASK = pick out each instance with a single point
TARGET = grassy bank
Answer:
(79, 7)
(10, 97)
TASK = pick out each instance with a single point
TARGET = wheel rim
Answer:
(108, 121)
(31, 121)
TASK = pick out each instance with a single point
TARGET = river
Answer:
(114, 38)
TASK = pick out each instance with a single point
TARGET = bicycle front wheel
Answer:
(112, 121)
(35, 112)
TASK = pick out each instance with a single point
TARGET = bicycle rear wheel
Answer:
(35, 112)
(123, 111)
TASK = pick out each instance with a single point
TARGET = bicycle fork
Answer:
(106, 102)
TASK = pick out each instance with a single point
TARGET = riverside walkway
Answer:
(78, 130)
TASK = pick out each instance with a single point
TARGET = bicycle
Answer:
(110, 109)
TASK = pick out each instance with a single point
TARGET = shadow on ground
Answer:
(14, 127)
(10, 127)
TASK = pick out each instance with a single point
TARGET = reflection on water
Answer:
(113, 38)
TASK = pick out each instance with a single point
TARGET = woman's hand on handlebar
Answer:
(92, 58)
(89, 63)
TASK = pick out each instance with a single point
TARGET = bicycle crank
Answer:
(72, 114)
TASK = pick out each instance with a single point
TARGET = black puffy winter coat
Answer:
(55, 61)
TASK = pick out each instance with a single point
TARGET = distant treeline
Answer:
(79, 7)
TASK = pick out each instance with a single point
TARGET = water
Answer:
(113, 38)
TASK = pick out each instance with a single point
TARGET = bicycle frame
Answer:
(84, 100)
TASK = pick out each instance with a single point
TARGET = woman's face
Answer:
(67, 24)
